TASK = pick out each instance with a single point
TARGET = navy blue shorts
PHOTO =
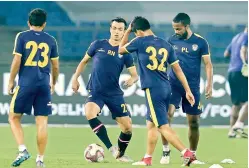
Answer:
(27, 96)
(179, 95)
(157, 102)
(116, 104)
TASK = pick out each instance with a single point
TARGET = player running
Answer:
(153, 55)
(104, 87)
(33, 51)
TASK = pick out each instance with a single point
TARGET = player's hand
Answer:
(52, 88)
(244, 70)
(11, 88)
(75, 85)
(129, 82)
(190, 98)
(208, 93)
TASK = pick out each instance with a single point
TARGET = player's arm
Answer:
(208, 68)
(134, 76)
(54, 56)
(209, 75)
(244, 50)
(80, 68)
(244, 56)
(243, 53)
(129, 63)
(82, 65)
(124, 42)
(15, 66)
(182, 78)
(227, 52)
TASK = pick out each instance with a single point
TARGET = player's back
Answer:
(234, 48)
(153, 55)
(36, 49)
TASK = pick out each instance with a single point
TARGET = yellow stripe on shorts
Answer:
(13, 100)
(152, 110)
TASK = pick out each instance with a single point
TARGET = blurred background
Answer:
(76, 24)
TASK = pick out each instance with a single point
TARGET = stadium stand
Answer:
(74, 38)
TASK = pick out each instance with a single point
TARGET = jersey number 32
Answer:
(156, 65)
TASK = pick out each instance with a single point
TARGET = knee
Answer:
(41, 123)
(127, 129)
(170, 116)
(90, 114)
(12, 119)
(194, 125)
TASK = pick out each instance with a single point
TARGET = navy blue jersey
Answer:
(153, 55)
(107, 67)
(36, 49)
(189, 52)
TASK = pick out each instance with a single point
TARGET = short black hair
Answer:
(140, 23)
(182, 18)
(119, 20)
(37, 17)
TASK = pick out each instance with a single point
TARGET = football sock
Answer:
(22, 148)
(39, 158)
(123, 142)
(166, 148)
(100, 130)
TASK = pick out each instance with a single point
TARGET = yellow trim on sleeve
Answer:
(174, 62)
(126, 49)
(55, 58)
(207, 55)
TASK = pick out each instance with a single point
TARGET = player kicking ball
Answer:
(153, 55)
(34, 52)
(104, 87)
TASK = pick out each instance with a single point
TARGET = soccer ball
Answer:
(94, 153)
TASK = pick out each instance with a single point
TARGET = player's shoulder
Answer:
(47, 35)
(22, 34)
(165, 42)
(172, 37)
(99, 41)
(199, 38)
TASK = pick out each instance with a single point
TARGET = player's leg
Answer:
(42, 138)
(166, 150)
(239, 125)
(175, 100)
(158, 102)
(93, 106)
(233, 78)
(20, 103)
(121, 114)
(193, 118)
(125, 136)
(42, 109)
(152, 137)
(193, 133)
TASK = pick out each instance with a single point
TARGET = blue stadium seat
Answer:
(103, 35)
(88, 24)
(16, 13)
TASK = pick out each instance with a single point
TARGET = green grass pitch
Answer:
(66, 146)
